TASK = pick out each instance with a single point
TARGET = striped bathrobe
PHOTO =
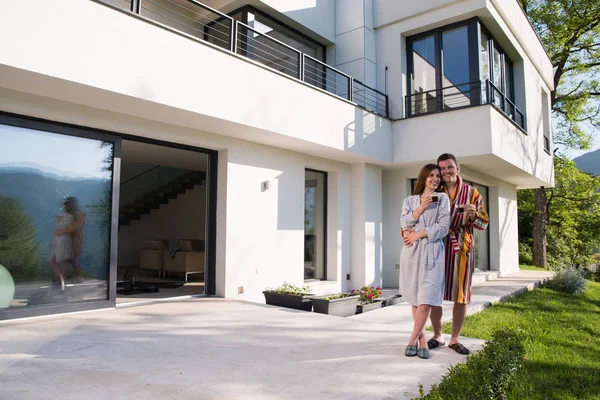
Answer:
(460, 243)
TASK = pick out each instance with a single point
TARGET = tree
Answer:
(572, 210)
(19, 250)
(570, 32)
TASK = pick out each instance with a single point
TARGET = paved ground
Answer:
(219, 349)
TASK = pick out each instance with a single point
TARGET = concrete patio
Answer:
(209, 348)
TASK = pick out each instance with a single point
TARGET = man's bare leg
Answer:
(459, 312)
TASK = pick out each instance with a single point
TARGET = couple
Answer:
(437, 260)
(68, 241)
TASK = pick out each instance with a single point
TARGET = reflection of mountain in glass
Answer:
(41, 195)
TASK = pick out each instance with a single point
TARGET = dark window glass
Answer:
(455, 56)
(315, 224)
(55, 208)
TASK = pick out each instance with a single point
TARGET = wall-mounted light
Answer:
(266, 185)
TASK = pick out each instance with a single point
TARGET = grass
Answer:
(524, 267)
(563, 341)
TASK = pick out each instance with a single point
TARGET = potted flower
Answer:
(339, 304)
(366, 299)
(290, 296)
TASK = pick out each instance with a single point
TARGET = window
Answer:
(315, 224)
(546, 121)
(456, 66)
(55, 216)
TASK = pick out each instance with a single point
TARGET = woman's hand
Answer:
(410, 237)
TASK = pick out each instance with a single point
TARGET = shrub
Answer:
(287, 288)
(569, 281)
(487, 374)
(525, 254)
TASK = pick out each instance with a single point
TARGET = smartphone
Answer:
(434, 197)
(460, 209)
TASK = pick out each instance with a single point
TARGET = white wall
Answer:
(182, 218)
(177, 80)
(482, 137)
(367, 229)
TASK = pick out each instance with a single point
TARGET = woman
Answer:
(425, 221)
(74, 230)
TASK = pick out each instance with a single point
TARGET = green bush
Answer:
(487, 374)
(569, 281)
(525, 254)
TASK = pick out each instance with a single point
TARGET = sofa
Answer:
(185, 257)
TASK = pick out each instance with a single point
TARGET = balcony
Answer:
(200, 22)
(461, 96)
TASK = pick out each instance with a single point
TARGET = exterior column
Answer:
(367, 225)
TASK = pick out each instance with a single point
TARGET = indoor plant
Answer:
(366, 298)
(290, 296)
(339, 304)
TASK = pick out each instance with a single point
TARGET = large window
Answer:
(460, 65)
(315, 224)
(55, 218)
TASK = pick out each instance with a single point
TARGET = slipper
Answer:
(423, 353)
(410, 351)
(434, 343)
(459, 348)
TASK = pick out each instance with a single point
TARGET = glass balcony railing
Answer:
(202, 22)
(461, 96)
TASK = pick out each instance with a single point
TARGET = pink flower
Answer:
(378, 288)
(370, 296)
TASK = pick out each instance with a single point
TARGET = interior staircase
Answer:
(152, 201)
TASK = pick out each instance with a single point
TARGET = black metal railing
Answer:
(202, 22)
(369, 98)
(262, 48)
(461, 96)
(325, 77)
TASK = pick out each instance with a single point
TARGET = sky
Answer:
(57, 154)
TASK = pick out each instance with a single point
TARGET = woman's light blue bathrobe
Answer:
(422, 265)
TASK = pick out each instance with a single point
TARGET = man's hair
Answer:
(447, 156)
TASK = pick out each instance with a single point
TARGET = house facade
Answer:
(253, 142)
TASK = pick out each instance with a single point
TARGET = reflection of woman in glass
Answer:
(74, 230)
(68, 241)
(62, 247)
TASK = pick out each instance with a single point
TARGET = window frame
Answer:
(474, 28)
(325, 219)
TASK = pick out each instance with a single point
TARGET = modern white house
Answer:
(225, 146)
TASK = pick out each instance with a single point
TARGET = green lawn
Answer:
(531, 268)
(563, 347)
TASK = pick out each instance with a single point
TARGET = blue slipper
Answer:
(423, 353)
(410, 351)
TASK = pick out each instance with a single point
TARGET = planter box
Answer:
(342, 307)
(368, 307)
(390, 301)
(303, 303)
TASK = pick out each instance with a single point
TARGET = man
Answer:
(467, 212)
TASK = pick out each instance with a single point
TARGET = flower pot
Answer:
(303, 303)
(363, 308)
(342, 307)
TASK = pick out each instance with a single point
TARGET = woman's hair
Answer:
(425, 171)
